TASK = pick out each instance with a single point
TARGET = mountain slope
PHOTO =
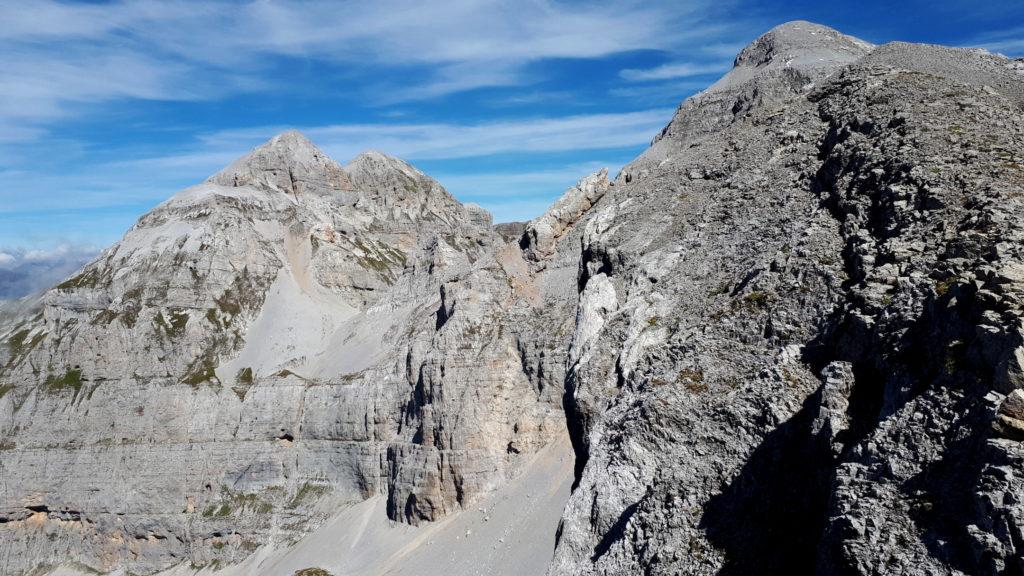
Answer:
(796, 326)
(258, 343)
(785, 339)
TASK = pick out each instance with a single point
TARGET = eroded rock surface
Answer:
(289, 333)
(797, 319)
(787, 339)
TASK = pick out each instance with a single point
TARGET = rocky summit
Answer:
(786, 339)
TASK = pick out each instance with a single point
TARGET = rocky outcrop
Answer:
(541, 235)
(1010, 417)
(786, 339)
(289, 163)
(289, 334)
(788, 60)
(796, 324)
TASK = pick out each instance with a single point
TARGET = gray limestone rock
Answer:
(793, 308)
(1010, 417)
(785, 339)
(289, 336)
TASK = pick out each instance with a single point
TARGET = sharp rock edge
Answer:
(785, 339)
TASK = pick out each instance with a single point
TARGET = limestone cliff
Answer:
(287, 332)
(798, 318)
(786, 339)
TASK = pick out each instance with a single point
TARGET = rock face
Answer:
(786, 339)
(798, 313)
(786, 61)
(289, 332)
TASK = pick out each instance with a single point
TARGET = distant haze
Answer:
(23, 272)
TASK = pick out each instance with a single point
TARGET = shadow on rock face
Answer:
(769, 519)
(945, 494)
(616, 533)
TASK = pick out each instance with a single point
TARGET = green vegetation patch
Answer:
(229, 303)
(16, 343)
(692, 380)
(721, 289)
(943, 286)
(791, 378)
(232, 502)
(21, 345)
(72, 379)
(244, 376)
(286, 373)
(243, 381)
(312, 572)
(178, 320)
(89, 278)
(105, 317)
(394, 254)
(245, 293)
(173, 324)
(757, 299)
(134, 295)
(130, 316)
(380, 257)
(249, 545)
(133, 299)
(203, 369)
(4, 389)
(211, 317)
(955, 359)
(216, 511)
(307, 492)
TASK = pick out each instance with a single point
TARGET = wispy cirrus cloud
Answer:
(659, 91)
(1009, 42)
(80, 78)
(673, 71)
(524, 183)
(109, 107)
(60, 56)
(151, 179)
(435, 141)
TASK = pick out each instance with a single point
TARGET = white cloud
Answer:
(435, 141)
(672, 71)
(59, 56)
(546, 183)
(658, 92)
(1008, 46)
(1009, 41)
(518, 195)
(23, 272)
(65, 60)
(151, 179)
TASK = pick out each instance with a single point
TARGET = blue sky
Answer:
(107, 108)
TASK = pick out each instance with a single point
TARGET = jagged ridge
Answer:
(779, 341)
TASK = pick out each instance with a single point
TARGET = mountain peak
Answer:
(394, 182)
(372, 154)
(373, 165)
(288, 162)
(786, 60)
(290, 140)
(800, 44)
(378, 158)
(290, 144)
